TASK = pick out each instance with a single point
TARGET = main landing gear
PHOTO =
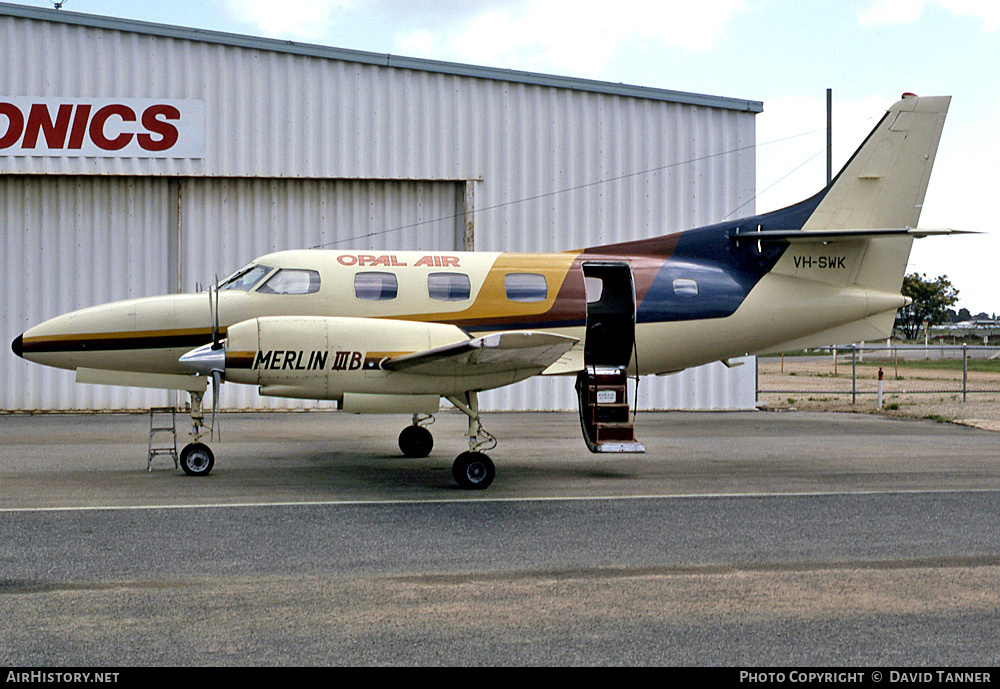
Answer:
(415, 440)
(472, 470)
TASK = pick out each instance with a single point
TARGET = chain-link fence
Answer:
(855, 371)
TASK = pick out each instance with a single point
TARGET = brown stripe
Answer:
(141, 339)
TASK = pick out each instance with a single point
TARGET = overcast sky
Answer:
(785, 53)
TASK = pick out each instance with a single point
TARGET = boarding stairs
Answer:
(605, 415)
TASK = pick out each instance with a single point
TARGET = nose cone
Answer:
(205, 359)
(18, 346)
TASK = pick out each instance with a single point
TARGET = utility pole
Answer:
(829, 136)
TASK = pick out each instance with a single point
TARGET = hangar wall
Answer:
(306, 145)
(75, 241)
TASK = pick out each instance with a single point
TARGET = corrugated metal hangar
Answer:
(140, 159)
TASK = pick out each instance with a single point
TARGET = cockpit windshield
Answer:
(245, 278)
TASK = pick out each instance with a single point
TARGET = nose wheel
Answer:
(196, 459)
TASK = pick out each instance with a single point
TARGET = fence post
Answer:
(965, 371)
(854, 374)
(756, 380)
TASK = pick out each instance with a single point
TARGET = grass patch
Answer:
(977, 365)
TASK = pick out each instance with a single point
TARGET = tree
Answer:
(963, 314)
(931, 299)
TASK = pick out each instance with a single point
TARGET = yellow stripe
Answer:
(492, 301)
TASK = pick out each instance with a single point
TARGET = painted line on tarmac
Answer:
(473, 501)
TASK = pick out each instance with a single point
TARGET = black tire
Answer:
(197, 460)
(473, 471)
(416, 441)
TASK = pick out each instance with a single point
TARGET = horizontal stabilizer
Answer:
(499, 352)
(834, 235)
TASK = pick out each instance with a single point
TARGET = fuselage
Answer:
(689, 309)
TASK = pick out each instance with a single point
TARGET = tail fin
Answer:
(884, 182)
(856, 234)
(883, 187)
(867, 215)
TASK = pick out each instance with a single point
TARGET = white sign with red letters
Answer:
(102, 127)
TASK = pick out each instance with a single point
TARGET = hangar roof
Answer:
(383, 59)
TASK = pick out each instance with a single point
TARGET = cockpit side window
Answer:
(291, 281)
(245, 278)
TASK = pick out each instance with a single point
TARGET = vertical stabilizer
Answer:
(883, 186)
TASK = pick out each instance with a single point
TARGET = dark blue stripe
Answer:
(724, 270)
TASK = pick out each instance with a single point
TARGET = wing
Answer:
(524, 352)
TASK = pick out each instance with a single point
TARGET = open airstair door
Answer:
(601, 387)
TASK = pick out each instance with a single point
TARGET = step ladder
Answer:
(162, 420)
(605, 415)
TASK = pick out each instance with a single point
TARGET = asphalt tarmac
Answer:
(737, 539)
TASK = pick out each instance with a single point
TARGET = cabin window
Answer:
(245, 278)
(683, 287)
(526, 287)
(594, 288)
(291, 281)
(375, 286)
(449, 286)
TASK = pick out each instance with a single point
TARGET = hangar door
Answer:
(68, 242)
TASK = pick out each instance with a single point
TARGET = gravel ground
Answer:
(981, 410)
(818, 386)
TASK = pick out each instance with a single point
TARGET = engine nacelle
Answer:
(320, 357)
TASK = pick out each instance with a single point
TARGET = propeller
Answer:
(210, 359)
(213, 308)
(213, 312)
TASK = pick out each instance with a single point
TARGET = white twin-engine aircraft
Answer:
(396, 332)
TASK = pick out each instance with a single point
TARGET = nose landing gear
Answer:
(196, 459)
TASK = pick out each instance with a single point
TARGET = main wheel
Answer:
(473, 471)
(197, 460)
(416, 441)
